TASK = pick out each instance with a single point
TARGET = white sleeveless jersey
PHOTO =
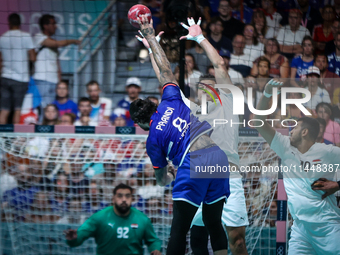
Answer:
(224, 135)
(301, 170)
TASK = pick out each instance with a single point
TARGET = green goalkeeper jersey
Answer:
(118, 235)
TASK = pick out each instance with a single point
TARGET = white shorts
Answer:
(314, 238)
(234, 211)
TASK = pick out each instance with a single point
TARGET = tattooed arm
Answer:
(162, 62)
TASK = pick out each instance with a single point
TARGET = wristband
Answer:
(199, 38)
(339, 184)
(150, 51)
(267, 95)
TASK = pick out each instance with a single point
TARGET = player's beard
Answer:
(123, 208)
(297, 140)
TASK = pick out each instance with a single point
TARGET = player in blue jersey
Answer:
(175, 134)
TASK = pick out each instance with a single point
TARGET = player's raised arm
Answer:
(195, 34)
(267, 131)
(162, 62)
(146, 44)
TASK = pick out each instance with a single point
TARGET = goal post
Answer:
(55, 181)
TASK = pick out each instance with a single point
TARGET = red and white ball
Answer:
(137, 10)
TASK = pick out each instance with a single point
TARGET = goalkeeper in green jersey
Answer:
(117, 229)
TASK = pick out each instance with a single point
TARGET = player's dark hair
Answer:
(142, 110)
(207, 77)
(121, 186)
(322, 121)
(45, 20)
(14, 19)
(93, 82)
(83, 99)
(312, 125)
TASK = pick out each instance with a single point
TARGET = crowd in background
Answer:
(258, 40)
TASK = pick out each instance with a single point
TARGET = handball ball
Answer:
(137, 10)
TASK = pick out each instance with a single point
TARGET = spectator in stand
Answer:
(96, 202)
(259, 22)
(253, 47)
(231, 26)
(273, 18)
(64, 104)
(133, 88)
(50, 115)
(290, 36)
(240, 11)
(7, 177)
(118, 118)
(323, 33)
(240, 61)
(310, 16)
(336, 112)
(330, 46)
(67, 119)
(21, 197)
(191, 74)
(301, 63)
(75, 213)
(16, 50)
(318, 93)
(101, 106)
(200, 57)
(216, 38)
(84, 111)
(79, 183)
(47, 68)
(41, 210)
(261, 80)
(329, 80)
(332, 131)
(61, 193)
(334, 58)
(153, 99)
(279, 65)
(320, 138)
(293, 112)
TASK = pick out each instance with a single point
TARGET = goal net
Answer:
(53, 182)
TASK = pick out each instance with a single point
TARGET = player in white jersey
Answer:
(234, 215)
(316, 227)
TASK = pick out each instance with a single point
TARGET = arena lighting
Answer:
(177, 11)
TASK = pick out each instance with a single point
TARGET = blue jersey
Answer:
(172, 127)
(301, 67)
(334, 63)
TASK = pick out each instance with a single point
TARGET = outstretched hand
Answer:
(70, 234)
(273, 83)
(146, 27)
(145, 42)
(195, 31)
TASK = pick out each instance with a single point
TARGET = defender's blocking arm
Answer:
(195, 34)
(163, 64)
(267, 131)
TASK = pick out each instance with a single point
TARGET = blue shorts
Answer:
(197, 190)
